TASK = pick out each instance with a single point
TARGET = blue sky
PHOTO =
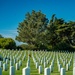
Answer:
(12, 12)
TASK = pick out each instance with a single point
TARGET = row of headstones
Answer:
(60, 65)
(26, 71)
(9, 54)
(45, 65)
(38, 57)
(41, 67)
(12, 68)
(43, 54)
(6, 62)
(46, 55)
(64, 56)
(11, 72)
(45, 72)
(43, 59)
(65, 62)
(14, 58)
(4, 66)
(67, 65)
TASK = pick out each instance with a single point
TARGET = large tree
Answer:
(52, 35)
(32, 29)
(38, 32)
(61, 34)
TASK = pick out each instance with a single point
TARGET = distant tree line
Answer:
(40, 33)
(7, 43)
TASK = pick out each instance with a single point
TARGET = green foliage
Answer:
(62, 46)
(32, 29)
(26, 47)
(7, 43)
(61, 34)
(1, 36)
(40, 33)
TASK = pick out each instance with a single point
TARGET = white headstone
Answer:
(14, 61)
(6, 61)
(17, 66)
(4, 67)
(12, 70)
(40, 69)
(45, 64)
(67, 67)
(37, 65)
(64, 63)
(28, 64)
(52, 63)
(26, 71)
(47, 71)
(0, 71)
(11, 63)
(11, 58)
(74, 64)
(20, 63)
(51, 68)
(41, 61)
(59, 67)
(62, 71)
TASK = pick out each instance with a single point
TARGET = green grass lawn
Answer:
(39, 54)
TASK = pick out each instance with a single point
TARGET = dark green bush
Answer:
(63, 46)
(7, 43)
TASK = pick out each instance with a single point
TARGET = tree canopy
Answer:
(32, 29)
(39, 32)
(7, 43)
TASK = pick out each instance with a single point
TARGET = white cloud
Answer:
(9, 33)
